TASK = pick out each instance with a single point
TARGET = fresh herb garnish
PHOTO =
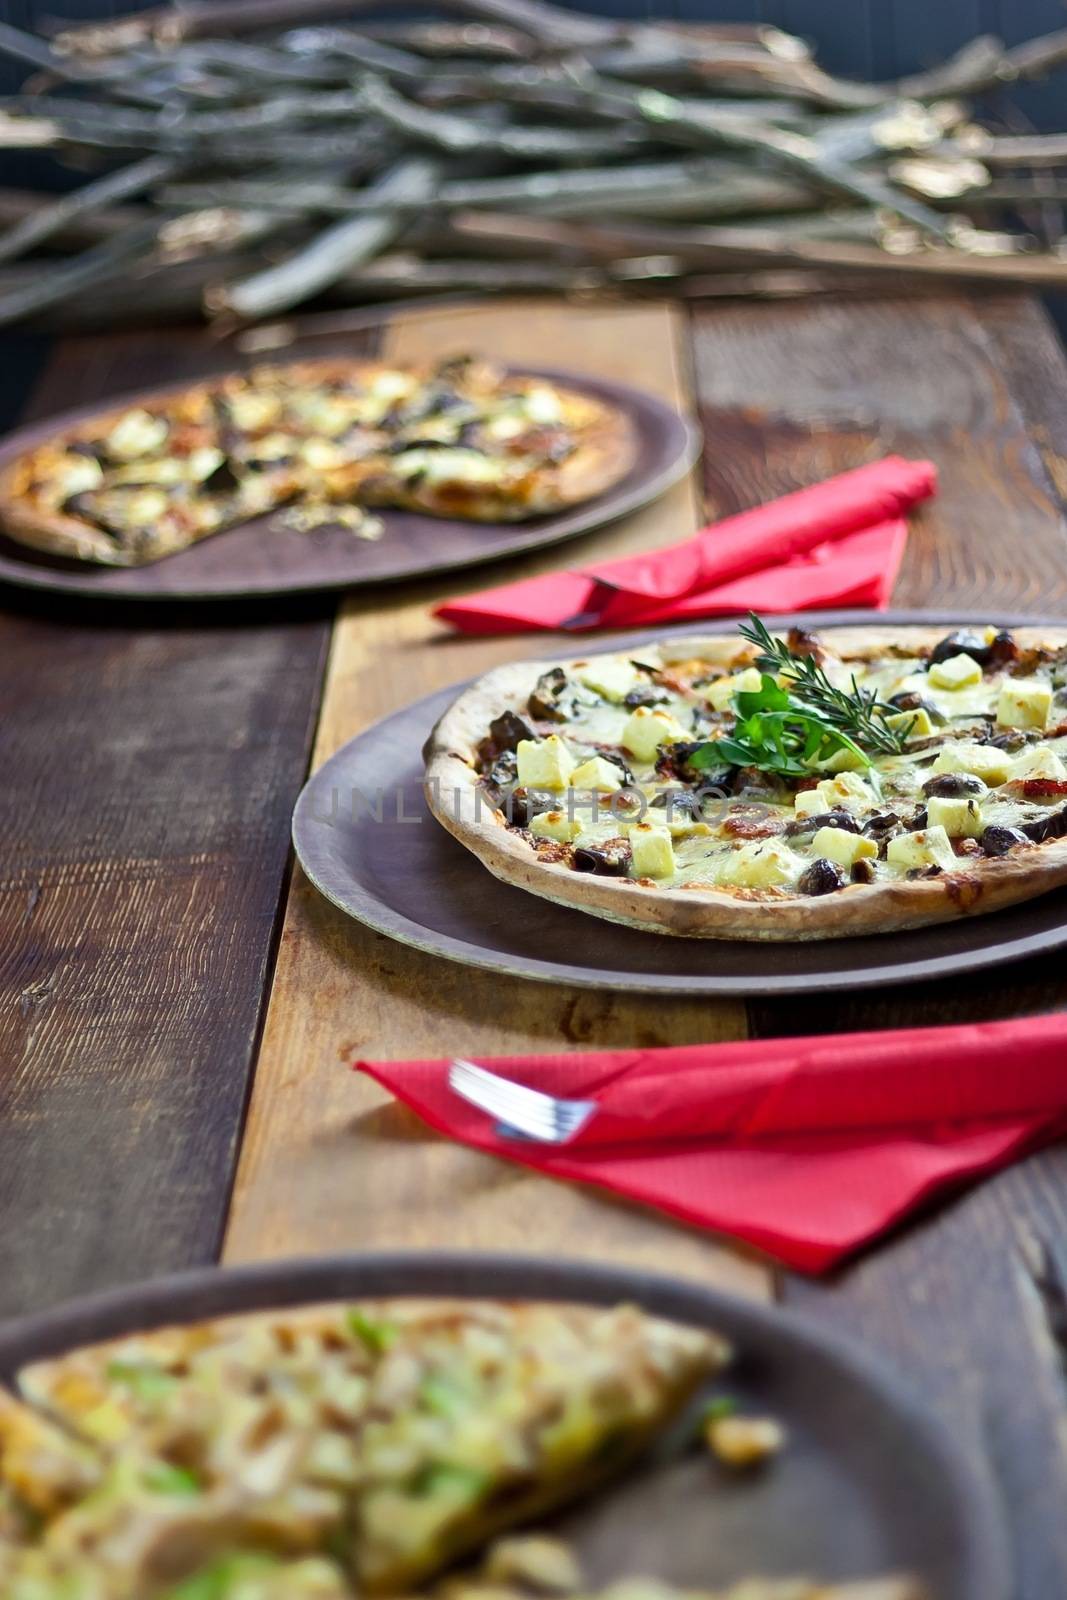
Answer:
(452, 1480)
(796, 727)
(723, 1405)
(162, 1477)
(776, 734)
(146, 1381)
(857, 712)
(376, 1333)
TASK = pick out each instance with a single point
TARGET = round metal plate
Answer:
(365, 838)
(869, 1484)
(257, 558)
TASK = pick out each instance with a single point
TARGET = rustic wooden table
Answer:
(177, 1012)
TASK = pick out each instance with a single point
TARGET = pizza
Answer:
(327, 440)
(348, 1450)
(862, 781)
(363, 1448)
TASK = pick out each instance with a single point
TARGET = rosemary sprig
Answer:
(855, 713)
(775, 734)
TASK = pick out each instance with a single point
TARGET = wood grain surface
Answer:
(151, 767)
(327, 1163)
(970, 1303)
(149, 771)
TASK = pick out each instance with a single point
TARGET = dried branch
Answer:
(662, 153)
(102, 261)
(709, 247)
(338, 250)
(50, 220)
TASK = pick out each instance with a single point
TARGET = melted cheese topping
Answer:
(215, 455)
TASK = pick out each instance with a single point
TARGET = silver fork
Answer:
(519, 1113)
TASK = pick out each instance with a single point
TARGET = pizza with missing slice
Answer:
(344, 1450)
(463, 439)
(752, 787)
(392, 1437)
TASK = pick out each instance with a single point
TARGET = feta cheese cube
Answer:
(929, 847)
(137, 433)
(843, 761)
(609, 677)
(845, 789)
(596, 773)
(450, 465)
(544, 763)
(720, 694)
(79, 473)
(647, 728)
(541, 404)
(1024, 703)
(983, 761)
(837, 844)
(960, 817)
(555, 825)
(392, 385)
(252, 409)
(1037, 762)
(763, 864)
(653, 852)
(505, 425)
(958, 672)
(917, 723)
(808, 803)
(322, 454)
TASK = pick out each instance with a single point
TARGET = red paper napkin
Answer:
(808, 1148)
(838, 542)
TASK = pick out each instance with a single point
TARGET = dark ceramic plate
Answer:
(256, 559)
(366, 840)
(868, 1484)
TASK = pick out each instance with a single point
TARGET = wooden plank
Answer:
(958, 1303)
(327, 1162)
(151, 763)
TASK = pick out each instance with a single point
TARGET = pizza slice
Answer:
(393, 1437)
(482, 1417)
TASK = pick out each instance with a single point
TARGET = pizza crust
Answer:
(606, 451)
(709, 913)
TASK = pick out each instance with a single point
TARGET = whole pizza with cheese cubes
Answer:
(760, 786)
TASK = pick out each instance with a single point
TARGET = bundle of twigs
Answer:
(246, 156)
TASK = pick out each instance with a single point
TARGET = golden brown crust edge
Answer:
(860, 909)
(605, 456)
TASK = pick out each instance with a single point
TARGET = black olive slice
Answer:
(611, 859)
(1053, 826)
(544, 697)
(953, 785)
(961, 644)
(837, 818)
(822, 877)
(998, 841)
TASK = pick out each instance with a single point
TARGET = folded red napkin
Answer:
(808, 1148)
(836, 542)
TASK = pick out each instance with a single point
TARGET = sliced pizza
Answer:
(464, 439)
